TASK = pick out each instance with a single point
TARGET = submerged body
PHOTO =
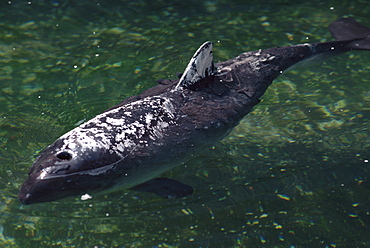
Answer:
(134, 142)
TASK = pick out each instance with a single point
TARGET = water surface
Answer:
(294, 173)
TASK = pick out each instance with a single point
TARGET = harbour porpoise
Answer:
(131, 144)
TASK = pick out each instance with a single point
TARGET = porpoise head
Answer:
(59, 172)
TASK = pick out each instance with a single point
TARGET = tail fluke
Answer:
(347, 29)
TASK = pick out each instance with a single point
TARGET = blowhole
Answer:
(64, 156)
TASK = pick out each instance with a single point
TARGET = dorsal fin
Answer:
(199, 67)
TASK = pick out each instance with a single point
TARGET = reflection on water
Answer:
(294, 173)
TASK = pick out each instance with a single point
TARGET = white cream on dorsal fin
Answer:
(199, 67)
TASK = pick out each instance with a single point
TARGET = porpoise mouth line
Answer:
(44, 175)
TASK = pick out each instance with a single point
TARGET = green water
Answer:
(294, 173)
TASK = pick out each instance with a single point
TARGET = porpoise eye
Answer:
(64, 156)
